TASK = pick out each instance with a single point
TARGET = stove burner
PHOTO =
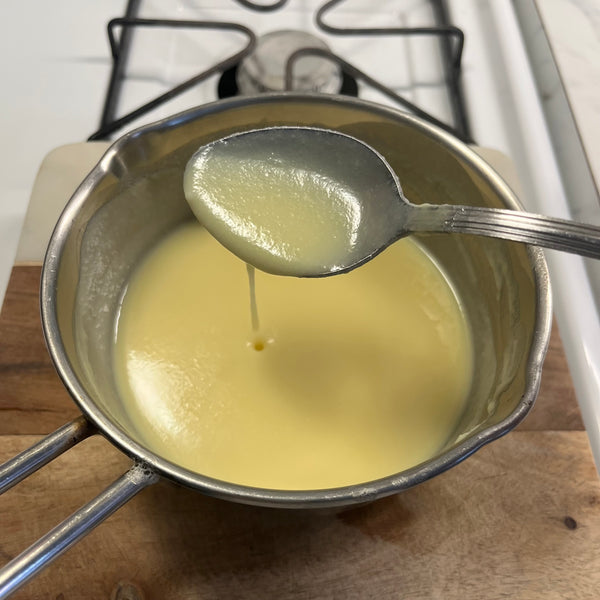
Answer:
(263, 70)
(262, 7)
(228, 86)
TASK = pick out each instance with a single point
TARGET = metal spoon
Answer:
(376, 195)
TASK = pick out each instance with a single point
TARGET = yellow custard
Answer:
(353, 377)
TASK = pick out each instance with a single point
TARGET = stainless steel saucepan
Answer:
(98, 240)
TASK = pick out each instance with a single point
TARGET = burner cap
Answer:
(264, 69)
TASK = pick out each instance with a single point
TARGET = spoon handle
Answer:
(538, 230)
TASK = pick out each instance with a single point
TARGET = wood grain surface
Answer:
(32, 398)
(518, 519)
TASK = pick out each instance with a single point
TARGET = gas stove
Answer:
(461, 64)
(404, 53)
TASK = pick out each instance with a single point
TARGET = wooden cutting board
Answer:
(518, 519)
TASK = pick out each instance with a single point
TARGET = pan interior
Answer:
(106, 239)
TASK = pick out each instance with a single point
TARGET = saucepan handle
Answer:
(40, 454)
(62, 537)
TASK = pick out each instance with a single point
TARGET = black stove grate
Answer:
(451, 40)
(109, 123)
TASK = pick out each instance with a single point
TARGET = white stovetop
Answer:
(47, 51)
(573, 29)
